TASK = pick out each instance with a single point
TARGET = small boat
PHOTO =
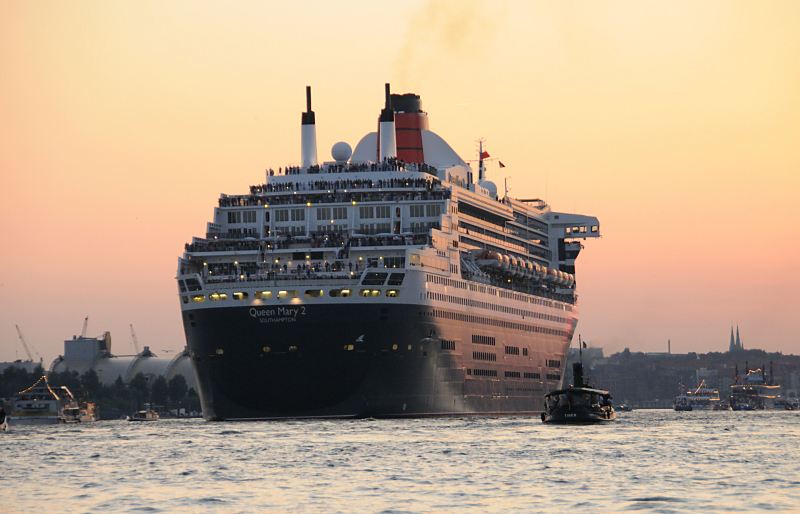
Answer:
(144, 415)
(624, 407)
(578, 403)
(3, 420)
(86, 412)
(701, 398)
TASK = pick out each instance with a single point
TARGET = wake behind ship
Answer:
(387, 282)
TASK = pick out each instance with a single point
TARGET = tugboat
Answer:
(578, 403)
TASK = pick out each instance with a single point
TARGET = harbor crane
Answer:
(85, 326)
(135, 340)
(26, 347)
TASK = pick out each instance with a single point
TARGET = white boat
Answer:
(144, 415)
(41, 404)
(701, 398)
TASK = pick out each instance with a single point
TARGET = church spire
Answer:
(738, 341)
(732, 346)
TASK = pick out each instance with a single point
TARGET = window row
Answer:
(289, 293)
(499, 323)
(468, 302)
(479, 339)
(484, 356)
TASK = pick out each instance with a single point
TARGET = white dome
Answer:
(489, 186)
(437, 152)
(366, 149)
(341, 151)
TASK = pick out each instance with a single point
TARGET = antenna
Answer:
(135, 340)
(481, 167)
(85, 326)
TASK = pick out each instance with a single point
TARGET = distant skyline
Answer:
(675, 123)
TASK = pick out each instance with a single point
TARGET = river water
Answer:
(649, 460)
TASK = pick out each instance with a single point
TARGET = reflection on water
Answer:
(661, 461)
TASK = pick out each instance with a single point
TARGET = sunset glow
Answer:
(677, 124)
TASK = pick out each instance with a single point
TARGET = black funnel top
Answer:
(408, 102)
(308, 117)
(387, 114)
(577, 374)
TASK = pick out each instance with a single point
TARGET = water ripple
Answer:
(653, 461)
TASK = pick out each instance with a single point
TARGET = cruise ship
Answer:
(390, 281)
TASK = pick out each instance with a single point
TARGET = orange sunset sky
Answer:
(676, 123)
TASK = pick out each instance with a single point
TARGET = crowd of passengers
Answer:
(315, 240)
(337, 197)
(336, 185)
(250, 271)
(391, 164)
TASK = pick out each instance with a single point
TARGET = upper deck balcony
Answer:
(333, 195)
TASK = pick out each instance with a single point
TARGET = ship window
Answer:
(339, 213)
(417, 211)
(248, 216)
(374, 279)
(266, 349)
(343, 293)
(595, 228)
(215, 297)
(323, 213)
(396, 279)
(185, 299)
(239, 295)
(192, 284)
(263, 295)
(314, 293)
(198, 298)
(287, 294)
(391, 293)
(293, 348)
(181, 286)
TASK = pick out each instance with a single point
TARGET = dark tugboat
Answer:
(578, 403)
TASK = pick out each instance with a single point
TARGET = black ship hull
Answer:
(357, 360)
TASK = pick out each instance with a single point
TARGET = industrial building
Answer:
(83, 353)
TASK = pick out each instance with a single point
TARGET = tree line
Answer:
(115, 400)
